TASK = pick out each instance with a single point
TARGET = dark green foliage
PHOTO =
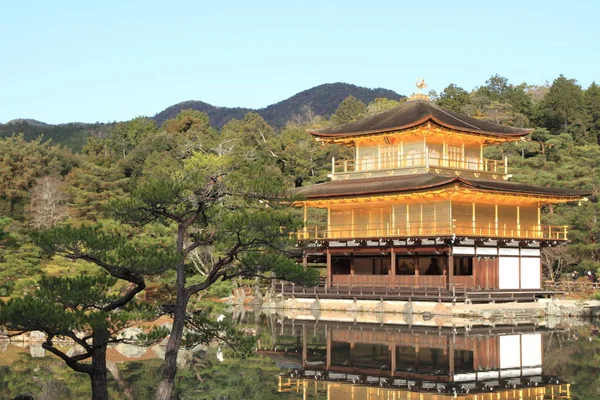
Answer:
(349, 110)
(592, 106)
(91, 186)
(454, 98)
(20, 259)
(125, 136)
(110, 249)
(563, 109)
(497, 101)
(219, 116)
(71, 135)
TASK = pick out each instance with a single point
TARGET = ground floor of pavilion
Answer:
(427, 270)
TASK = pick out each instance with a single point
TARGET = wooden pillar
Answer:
(473, 223)
(304, 347)
(444, 162)
(394, 231)
(329, 345)
(481, 163)
(451, 230)
(476, 267)
(497, 273)
(417, 351)
(305, 230)
(518, 221)
(451, 356)
(393, 266)
(425, 151)
(434, 220)
(392, 359)
(305, 261)
(329, 277)
(540, 234)
(421, 216)
(407, 220)
(496, 218)
(329, 220)
(488, 266)
(401, 164)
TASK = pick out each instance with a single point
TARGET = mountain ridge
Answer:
(322, 99)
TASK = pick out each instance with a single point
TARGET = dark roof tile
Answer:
(413, 113)
(422, 182)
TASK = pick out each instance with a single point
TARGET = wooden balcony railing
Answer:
(429, 229)
(421, 160)
(413, 280)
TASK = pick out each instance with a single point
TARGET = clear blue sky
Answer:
(90, 61)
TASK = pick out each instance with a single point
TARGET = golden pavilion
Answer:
(419, 206)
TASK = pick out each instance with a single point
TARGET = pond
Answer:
(299, 359)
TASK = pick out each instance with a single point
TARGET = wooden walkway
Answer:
(455, 294)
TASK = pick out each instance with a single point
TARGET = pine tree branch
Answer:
(125, 299)
(80, 341)
(72, 362)
(199, 243)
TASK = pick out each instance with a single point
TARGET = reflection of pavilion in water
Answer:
(349, 361)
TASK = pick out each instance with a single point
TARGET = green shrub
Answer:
(220, 289)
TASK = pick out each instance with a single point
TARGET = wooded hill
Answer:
(322, 100)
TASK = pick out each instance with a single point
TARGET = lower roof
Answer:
(422, 182)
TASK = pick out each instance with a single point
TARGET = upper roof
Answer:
(423, 182)
(416, 112)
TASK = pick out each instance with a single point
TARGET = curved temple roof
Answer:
(422, 182)
(415, 113)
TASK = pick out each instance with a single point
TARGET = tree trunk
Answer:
(98, 375)
(166, 385)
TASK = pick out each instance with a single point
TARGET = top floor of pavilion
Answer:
(419, 137)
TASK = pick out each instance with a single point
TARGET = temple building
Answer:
(419, 206)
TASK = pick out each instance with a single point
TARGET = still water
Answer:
(300, 359)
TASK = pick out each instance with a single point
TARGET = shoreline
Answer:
(408, 312)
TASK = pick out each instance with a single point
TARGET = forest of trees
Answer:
(179, 207)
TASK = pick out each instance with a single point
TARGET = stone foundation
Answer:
(427, 313)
